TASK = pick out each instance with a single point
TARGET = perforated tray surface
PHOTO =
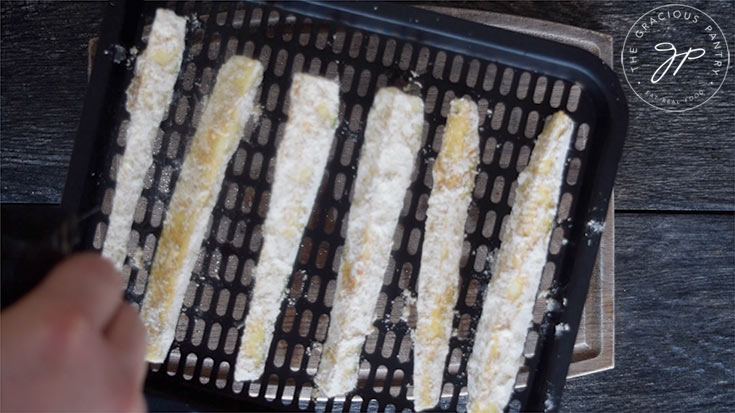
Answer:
(517, 82)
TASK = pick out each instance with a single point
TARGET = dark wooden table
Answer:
(675, 199)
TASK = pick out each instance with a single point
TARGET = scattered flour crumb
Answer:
(408, 298)
(561, 329)
(596, 226)
(552, 305)
(137, 258)
(409, 303)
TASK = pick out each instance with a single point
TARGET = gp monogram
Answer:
(675, 57)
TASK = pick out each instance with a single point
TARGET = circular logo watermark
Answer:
(675, 57)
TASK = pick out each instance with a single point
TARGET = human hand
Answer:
(73, 344)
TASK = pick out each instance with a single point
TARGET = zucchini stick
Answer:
(508, 307)
(392, 139)
(215, 141)
(300, 161)
(148, 98)
(454, 177)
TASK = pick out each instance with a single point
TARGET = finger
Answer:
(126, 335)
(140, 404)
(85, 283)
(136, 405)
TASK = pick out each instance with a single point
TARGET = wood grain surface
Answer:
(674, 318)
(43, 61)
(675, 198)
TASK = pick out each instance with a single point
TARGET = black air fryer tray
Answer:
(517, 80)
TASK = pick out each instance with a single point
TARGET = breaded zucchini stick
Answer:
(454, 177)
(197, 188)
(300, 161)
(392, 139)
(508, 307)
(148, 97)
